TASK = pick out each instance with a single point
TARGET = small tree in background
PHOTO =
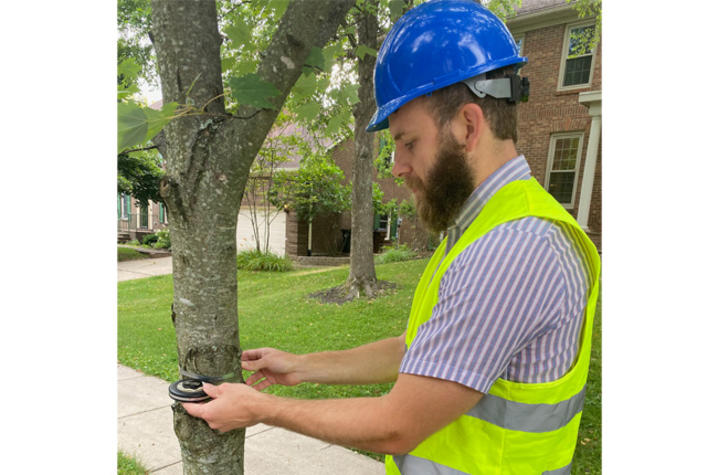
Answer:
(316, 188)
(274, 152)
(139, 175)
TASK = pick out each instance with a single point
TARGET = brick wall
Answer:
(550, 111)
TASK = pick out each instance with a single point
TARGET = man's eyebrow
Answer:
(398, 136)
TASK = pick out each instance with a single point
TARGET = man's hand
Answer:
(270, 366)
(231, 406)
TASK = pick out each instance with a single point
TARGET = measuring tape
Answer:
(190, 389)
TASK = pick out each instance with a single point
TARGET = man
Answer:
(491, 371)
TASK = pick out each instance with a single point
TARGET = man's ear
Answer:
(470, 125)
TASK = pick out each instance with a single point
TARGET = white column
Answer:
(593, 101)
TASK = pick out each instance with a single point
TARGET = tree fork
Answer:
(208, 162)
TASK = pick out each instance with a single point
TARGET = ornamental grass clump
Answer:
(395, 253)
(255, 260)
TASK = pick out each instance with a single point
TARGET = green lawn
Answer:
(127, 254)
(126, 465)
(274, 310)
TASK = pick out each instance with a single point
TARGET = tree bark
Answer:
(208, 159)
(362, 276)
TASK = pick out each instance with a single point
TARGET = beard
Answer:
(448, 185)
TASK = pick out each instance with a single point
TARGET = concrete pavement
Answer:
(146, 433)
(127, 270)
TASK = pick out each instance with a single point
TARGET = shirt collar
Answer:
(515, 169)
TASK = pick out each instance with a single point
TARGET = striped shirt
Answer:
(510, 305)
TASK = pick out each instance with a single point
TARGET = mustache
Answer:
(414, 183)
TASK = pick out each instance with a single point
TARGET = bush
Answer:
(149, 239)
(163, 239)
(395, 253)
(258, 261)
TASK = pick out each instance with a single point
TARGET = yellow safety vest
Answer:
(517, 428)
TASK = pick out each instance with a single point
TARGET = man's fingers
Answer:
(254, 378)
(252, 365)
(193, 409)
(262, 384)
(255, 354)
(211, 390)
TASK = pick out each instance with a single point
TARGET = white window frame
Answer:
(564, 57)
(551, 156)
(124, 212)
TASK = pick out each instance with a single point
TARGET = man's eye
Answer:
(409, 145)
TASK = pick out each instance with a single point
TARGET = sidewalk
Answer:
(140, 268)
(145, 429)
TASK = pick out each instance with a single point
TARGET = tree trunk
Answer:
(208, 160)
(362, 276)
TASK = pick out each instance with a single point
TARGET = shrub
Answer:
(149, 239)
(163, 239)
(396, 253)
(258, 261)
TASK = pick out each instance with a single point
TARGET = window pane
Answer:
(565, 154)
(561, 186)
(579, 40)
(143, 217)
(577, 71)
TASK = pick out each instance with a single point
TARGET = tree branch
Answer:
(310, 24)
(143, 149)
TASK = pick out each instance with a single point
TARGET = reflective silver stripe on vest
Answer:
(527, 417)
(559, 471)
(412, 465)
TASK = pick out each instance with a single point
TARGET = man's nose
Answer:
(400, 167)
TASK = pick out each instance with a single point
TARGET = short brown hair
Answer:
(501, 114)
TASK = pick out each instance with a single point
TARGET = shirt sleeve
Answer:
(499, 294)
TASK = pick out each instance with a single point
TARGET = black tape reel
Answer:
(188, 390)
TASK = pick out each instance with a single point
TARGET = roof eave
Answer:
(542, 18)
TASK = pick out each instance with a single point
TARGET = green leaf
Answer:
(129, 69)
(156, 120)
(396, 8)
(131, 125)
(123, 94)
(363, 50)
(305, 86)
(315, 59)
(330, 53)
(252, 90)
(348, 94)
(136, 125)
(308, 111)
(239, 33)
(335, 124)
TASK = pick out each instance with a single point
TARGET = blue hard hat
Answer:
(434, 45)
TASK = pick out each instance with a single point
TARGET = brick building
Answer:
(560, 125)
